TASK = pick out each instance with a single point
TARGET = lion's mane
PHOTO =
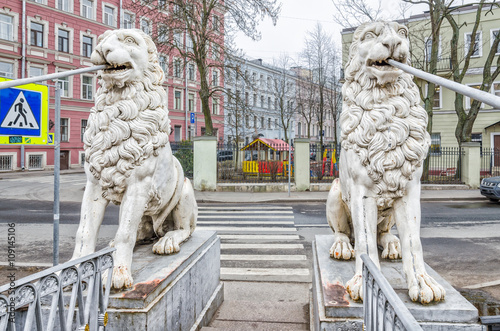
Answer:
(385, 126)
(126, 126)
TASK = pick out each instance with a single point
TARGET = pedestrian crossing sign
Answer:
(24, 114)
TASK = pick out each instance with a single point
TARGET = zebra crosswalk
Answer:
(258, 243)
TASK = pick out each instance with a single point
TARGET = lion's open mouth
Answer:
(381, 65)
(116, 69)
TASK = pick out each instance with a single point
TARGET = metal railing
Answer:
(244, 164)
(490, 162)
(443, 166)
(382, 308)
(183, 151)
(39, 298)
(323, 162)
(442, 64)
(35, 161)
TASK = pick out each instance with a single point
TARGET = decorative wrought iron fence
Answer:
(382, 308)
(443, 166)
(490, 162)
(262, 161)
(183, 151)
(323, 162)
(39, 298)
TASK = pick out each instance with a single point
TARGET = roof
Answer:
(489, 126)
(274, 144)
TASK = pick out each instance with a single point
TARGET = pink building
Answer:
(46, 36)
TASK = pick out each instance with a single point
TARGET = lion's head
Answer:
(381, 119)
(129, 55)
(375, 43)
(129, 121)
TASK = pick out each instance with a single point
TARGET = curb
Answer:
(302, 200)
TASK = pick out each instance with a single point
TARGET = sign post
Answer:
(57, 173)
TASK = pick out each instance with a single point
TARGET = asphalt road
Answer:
(434, 214)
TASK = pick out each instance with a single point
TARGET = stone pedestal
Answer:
(333, 309)
(172, 292)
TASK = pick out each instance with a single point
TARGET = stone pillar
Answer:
(205, 163)
(301, 163)
(471, 164)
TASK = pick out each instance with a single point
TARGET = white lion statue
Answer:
(384, 144)
(128, 156)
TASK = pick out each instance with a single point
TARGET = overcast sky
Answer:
(297, 17)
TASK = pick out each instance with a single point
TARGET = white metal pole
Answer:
(473, 93)
(57, 165)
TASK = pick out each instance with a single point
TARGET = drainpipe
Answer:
(23, 63)
(121, 14)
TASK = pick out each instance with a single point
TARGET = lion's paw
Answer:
(426, 290)
(121, 279)
(341, 248)
(390, 245)
(166, 245)
(355, 287)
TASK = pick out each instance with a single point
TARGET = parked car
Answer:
(490, 188)
(224, 156)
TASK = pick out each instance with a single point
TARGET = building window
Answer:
(177, 100)
(268, 102)
(63, 41)
(269, 123)
(178, 39)
(191, 71)
(64, 129)
(177, 68)
(191, 102)
(275, 123)
(215, 78)
(246, 98)
(477, 138)
(162, 33)
(6, 27)
(35, 71)
(63, 5)
(88, 9)
(476, 44)
(469, 101)
(262, 122)
(189, 43)
(162, 61)
(36, 34)
(128, 21)
(496, 89)
(299, 129)
(109, 16)
(145, 26)
(87, 46)
(261, 101)
(82, 129)
(63, 84)
(87, 87)
(215, 23)
(215, 106)
(255, 100)
(177, 133)
(494, 34)
(435, 143)
(215, 52)
(437, 98)
(7, 69)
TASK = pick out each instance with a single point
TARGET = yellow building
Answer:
(486, 127)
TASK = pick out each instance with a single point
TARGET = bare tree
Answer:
(319, 56)
(460, 67)
(283, 89)
(195, 32)
(306, 96)
(352, 13)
